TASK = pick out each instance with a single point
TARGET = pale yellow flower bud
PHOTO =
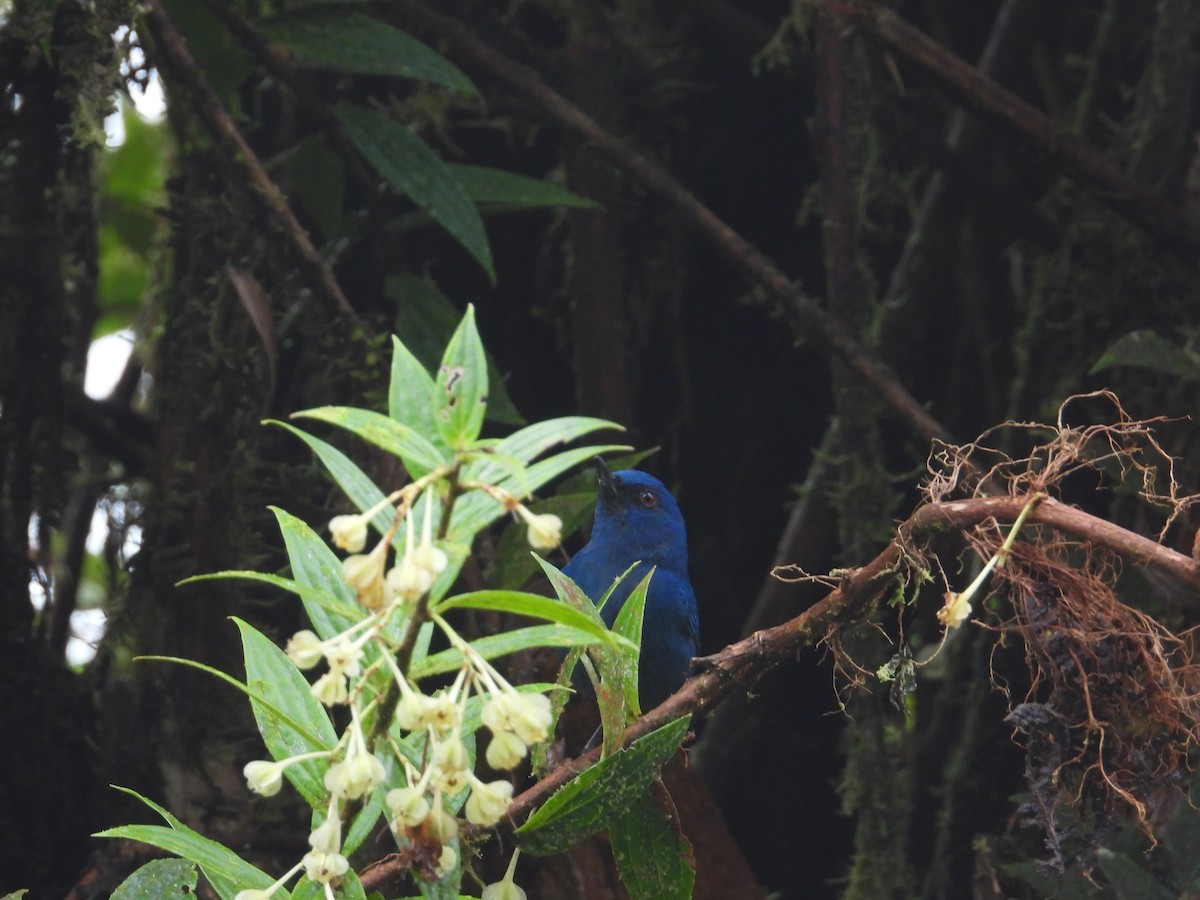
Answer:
(545, 530)
(264, 776)
(505, 751)
(407, 805)
(488, 802)
(349, 532)
(304, 648)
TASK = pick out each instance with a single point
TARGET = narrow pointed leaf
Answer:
(497, 645)
(316, 565)
(351, 42)
(652, 856)
(309, 594)
(412, 168)
(382, 431)
(600, 795)
(227, 871)
(410, 391)
(353, 481)
(476, 510)
(513, 191)
(461, 386)
(628, 624)
(159, 878)
(536, 606)
(271, 675)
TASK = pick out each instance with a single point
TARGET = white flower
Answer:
(349, 532)
(502, 890)
(331, 688)
(344, 656)
(305, 649)
(449, 782)
(505, 751)
(442, 825)
(327, 838)
(451, 755)
(447, 861)
(545, 530)
(956, 611)
(264, 776)
(408, 805)
(528, 716)
(427, 556)
(431, 559)
(444, 714)
(505, 889)
(354, 777)
(409, 581)
(488, 802)
(324, 867)
(413, 711)
(364, 573)
(253, 895)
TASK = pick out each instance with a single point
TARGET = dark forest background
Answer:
(826, 235)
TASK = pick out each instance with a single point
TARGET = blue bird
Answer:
(637, 519)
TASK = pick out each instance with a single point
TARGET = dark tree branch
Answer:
(174, 50)
(113, 428)
(740, 665)
(806, 309)
(1066, 150)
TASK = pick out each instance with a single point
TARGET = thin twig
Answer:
(174, 49)
(741, 664)
(1069, 152)
(806, 309)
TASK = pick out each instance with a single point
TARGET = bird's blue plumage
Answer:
(637, 520)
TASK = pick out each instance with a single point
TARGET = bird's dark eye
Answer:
(648, 499)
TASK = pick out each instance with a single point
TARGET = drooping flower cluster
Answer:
(437, 774)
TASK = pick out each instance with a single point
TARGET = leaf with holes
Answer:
(600, 795)
(461, 386)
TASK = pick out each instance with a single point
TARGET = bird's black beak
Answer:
(608, 485)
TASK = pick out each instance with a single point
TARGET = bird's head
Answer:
(635, 510)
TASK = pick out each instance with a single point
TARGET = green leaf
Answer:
(598, 796)
(487, 185)
(159, 878)
(476, 510)
(1180, 838)
(292, 721)
(352, 42)
(412, 168)
(652, 855)
(524, 604)
(461, 386)
(353, 481)
(425, 320)
(1128, 880)
(318, 182)
(628, 624)
(383, 432)
(569, 592)
(227, 871)
(534, 440)
(310, 595)
(315, 565)
(514, 563)
(1147, 350)
(410, 391)
(497, 645)
(223, 60)
(349, 888)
